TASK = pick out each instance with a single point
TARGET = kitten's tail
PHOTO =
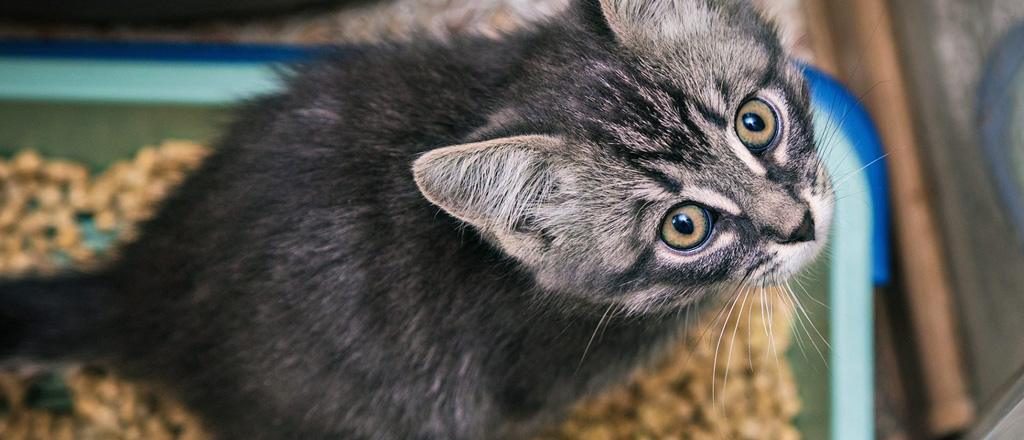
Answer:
(53, 320)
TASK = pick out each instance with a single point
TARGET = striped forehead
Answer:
(696, 46)
(671, 142)
(669, 132)
(721, 171)
(719, 84)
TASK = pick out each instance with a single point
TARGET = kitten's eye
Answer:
(686, 227)
(756, 125)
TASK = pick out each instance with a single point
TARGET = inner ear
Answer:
(493, 185)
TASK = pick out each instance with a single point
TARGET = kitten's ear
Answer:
(644, 21)
(491, 184)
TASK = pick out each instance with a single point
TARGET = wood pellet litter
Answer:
(55, 214)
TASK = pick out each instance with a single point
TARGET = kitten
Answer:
(421, 241)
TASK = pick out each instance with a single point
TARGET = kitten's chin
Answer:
(790, 259)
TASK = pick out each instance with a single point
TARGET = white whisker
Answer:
(732, 342)
(596, 328)
(718, 346)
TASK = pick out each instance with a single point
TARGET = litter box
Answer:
(96, 102)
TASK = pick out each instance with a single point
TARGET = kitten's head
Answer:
(665, 153)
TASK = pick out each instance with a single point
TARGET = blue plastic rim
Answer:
(854, 123)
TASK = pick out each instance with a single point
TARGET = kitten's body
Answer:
(301, 286)
(348, 297)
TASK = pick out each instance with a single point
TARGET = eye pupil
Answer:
(757, 125)
(686, 227)
(683, 224)
(753, 122)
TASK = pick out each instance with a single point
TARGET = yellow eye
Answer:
(756, 125)
(686, 227)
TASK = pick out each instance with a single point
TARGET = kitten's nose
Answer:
(804, 232)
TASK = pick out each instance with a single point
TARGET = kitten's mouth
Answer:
(788, 260)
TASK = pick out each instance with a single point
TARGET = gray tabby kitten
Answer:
(421, 241)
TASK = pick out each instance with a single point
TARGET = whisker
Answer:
(803, 311)
(808, 294)
(860, 194)
(842, 120)
(596, 328)
(764, 313)
(718, 346)
(750, 355)
(800, 310)
(725, 304)
(732, 342)
(771, 327)
(838, 183)
(801, 325)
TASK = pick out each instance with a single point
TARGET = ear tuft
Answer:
(638, 20)
(643, 22)
(491, 185)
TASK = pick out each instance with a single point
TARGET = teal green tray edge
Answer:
(135, 81)
(851, 290)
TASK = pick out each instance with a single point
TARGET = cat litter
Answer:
(55, 214)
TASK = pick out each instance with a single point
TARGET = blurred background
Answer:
(942, 79)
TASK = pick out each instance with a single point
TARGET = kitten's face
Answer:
(682, 165)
